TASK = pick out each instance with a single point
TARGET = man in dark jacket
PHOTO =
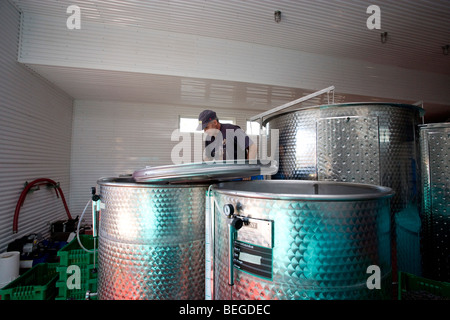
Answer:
(225, 141)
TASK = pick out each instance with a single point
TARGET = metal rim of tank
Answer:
(350, 104)
(130, 182)
(435, 125)
(371, 191)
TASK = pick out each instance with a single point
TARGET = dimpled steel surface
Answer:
(435, 150)
(321, 250)
(151, 241)
(374, 143)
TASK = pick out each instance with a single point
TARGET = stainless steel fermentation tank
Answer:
(375, 143)
(300, 240)
(151, 240)
(152, 229)
(435, 152)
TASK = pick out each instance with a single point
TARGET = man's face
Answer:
(212, 128)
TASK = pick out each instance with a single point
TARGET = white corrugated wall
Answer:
(35, 138)
(114, 138)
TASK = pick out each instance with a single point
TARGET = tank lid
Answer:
(393, 104)
(351, 104)
(435, 125)
(205, 171)
(306, 190)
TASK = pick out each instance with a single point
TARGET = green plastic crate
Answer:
(64, 293)
(86, 272)
(73, 253)
(88, 281)
(411, 287)
(38, 283)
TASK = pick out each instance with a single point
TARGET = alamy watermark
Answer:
(74, 280)
(374, 21)
(374, 280)
(192, 148)
(73, 22)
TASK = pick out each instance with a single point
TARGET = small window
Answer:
(189, 124)
(253, 127)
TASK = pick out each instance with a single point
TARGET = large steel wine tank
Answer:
(151, 240)
(300, 240)
(435, 151)
(375, 143)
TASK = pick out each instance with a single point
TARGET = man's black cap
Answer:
(205, 117)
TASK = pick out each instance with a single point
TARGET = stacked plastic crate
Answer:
(77, 270)
(38, 283)
(412, 287)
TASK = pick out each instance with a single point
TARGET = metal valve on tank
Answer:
(234, 224)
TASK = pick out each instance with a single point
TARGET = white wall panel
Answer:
(115, 138)
(47, 41)
(35, 138)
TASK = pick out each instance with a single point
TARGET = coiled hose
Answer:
(38, 182)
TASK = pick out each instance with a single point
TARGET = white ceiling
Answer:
(417, 30)
(107, 85)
